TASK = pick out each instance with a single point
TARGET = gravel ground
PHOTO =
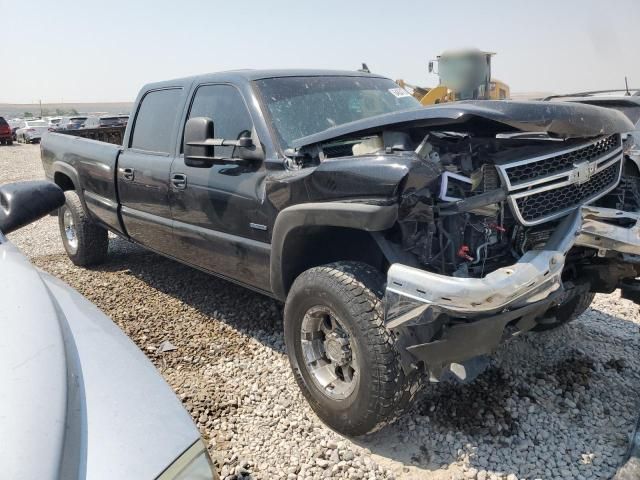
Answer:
(555, 405)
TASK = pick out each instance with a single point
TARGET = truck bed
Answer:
(90, 166)
(105, 134)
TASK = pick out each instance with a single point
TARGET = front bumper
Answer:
(444, 320)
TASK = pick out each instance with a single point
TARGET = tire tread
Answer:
(363, 286)
(93, 240)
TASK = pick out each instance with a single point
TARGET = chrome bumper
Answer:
(416, 297)
(536, 275)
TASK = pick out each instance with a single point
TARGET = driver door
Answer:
(218, 220)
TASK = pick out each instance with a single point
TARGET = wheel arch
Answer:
(312, 234)
(65, 176)
(64, 181)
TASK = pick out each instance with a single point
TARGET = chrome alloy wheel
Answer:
(328, 356)
(69, 229)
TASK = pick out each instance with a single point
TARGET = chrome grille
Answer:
(555, 163)
(543, 204)
(547, 187)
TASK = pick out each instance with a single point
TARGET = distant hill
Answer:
(13, 110)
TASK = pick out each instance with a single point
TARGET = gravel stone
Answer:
(559, 404)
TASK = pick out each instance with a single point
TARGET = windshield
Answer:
(37, 123)
(301, 106)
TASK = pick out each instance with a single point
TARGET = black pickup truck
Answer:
(406, 242)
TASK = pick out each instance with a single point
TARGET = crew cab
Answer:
(404, 241)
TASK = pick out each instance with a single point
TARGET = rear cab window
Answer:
(153, 129)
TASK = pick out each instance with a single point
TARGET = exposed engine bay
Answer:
(456, 214)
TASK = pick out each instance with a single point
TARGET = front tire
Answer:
(342, 356)
(85, 242)
(568, 312)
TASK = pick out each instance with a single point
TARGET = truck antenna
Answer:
(626, 85)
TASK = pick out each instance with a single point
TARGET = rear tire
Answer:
(10, 142)
(85, 242)
(347, 295)
(568, 312)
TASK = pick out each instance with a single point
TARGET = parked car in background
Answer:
(73, 382)
(71, 123)
(6, 135)
(15, 123)
(625, 101)
(54, 122)
(32, 131)
(100, 121)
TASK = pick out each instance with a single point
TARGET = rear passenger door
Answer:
(144, 166)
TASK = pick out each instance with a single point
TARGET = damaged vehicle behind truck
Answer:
(406, 242)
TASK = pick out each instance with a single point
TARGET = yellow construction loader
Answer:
(464, 75)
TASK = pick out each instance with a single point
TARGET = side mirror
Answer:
(196, 133)
(199, 145)
(22, 203)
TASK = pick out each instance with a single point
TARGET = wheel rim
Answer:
(328, 355)
(69, 229)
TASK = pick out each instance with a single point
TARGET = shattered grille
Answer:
(550, 202)
(560, 163)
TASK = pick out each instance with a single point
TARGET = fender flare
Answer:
(358, 216)
(68, 170)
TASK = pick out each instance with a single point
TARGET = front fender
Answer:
(359, 216)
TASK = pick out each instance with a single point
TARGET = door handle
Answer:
(179, 181)
(128, 173)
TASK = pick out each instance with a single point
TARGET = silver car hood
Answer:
(78, 399)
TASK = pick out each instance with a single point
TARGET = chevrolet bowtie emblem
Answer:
(582, 172)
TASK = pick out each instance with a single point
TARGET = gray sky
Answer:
(106, 50)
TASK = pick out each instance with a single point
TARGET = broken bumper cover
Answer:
(444, 320)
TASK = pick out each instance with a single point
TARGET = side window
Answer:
(225, 106)
(153, 127)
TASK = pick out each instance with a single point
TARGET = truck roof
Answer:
(250, 75)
